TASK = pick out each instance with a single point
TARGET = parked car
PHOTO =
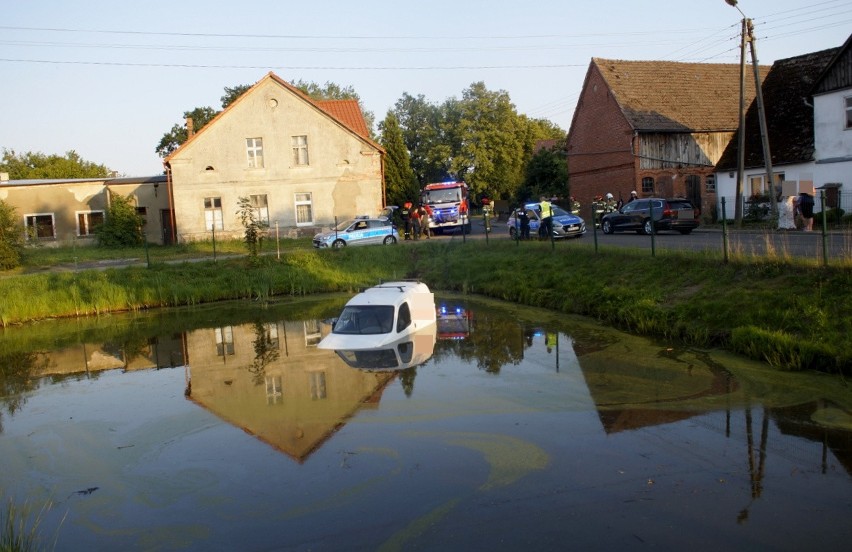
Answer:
(669, 214)
(359, 231)
(565, 224)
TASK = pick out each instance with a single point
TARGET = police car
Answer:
(565, 224)
(362, 230)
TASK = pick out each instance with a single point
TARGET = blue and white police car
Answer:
(359, 231)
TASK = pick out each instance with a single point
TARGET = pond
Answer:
(227, 428)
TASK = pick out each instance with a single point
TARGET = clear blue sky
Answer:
(109, 78)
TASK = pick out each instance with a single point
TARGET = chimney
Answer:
(189, 128)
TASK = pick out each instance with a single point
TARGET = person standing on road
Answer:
(805, 208)
(423, 216)
(524, 221)
(545, 231)
(415, 223)
(406, 218)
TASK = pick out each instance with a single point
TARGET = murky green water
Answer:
(226, 428)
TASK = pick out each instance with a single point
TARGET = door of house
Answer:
(166, 218)
(693, 190)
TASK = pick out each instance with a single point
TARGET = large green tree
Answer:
(546, 174)
(32, 165)
(400, 183)
(479, 138)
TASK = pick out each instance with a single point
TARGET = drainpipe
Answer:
(170, 197)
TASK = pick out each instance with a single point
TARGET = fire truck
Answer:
(448, 203)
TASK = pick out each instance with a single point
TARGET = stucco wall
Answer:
(343, 176)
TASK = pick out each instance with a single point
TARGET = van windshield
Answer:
(365, 320)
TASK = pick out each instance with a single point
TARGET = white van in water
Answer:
(382, 315)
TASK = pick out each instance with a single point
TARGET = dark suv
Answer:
(669, 214)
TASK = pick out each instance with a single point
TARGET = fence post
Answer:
(594, 228)
(653, 228)
(724, 232)
(214, 240)
(824, 229)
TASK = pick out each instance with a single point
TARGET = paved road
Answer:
(740, 242)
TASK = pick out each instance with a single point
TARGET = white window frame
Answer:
(302, 200)
(254, 153)
(710, 184)
(224, 341)
(32, 216)
(260, 205)
(213, 213)
(84, 222)
(300, 150)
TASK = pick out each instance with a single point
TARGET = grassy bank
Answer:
(793, 315)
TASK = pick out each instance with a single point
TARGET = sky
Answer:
(108, 79)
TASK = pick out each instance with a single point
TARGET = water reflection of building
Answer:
(271, 380)
(92, 357)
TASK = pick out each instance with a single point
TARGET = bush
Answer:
(122, 227)
(11, 237)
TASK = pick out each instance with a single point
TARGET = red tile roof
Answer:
(347, 112)
(668, 96)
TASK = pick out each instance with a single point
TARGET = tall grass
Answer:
(20, 527)
(793, 313)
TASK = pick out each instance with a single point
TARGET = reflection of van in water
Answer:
(382, 315)
(409, 350)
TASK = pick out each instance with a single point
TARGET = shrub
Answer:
(11, 237)
(122, 227)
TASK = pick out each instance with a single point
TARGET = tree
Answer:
(421, 123)
(11, 237)
(174, 138)
(400, 182)
(479, 138)
(546, 174)
(122, 226)
(253, 226)
(33, 165)
(232, 93)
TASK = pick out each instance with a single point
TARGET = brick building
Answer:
(655, 127)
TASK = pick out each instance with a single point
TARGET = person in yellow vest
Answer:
(545, 231)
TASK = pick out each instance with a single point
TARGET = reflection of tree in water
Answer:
(406, 378)
(17, 378)
(265, 352)
(493, 343)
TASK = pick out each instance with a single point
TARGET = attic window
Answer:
(209, 168)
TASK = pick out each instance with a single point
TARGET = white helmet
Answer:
(609, 196)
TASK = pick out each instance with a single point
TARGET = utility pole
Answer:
(748, 37)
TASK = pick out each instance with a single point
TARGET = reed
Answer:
(20, 527)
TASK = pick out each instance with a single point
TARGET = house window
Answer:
(648, 185)
(300, 150)
(254, 151)
(142, 212)
(755, 185)
(313, 333)
(88, 221)
(304, 209)
(848, 112)
(274, 390)
(40, 226)
(261, 208)
(213, 213)
(225, 341)
(318, 390)
(710, 184)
